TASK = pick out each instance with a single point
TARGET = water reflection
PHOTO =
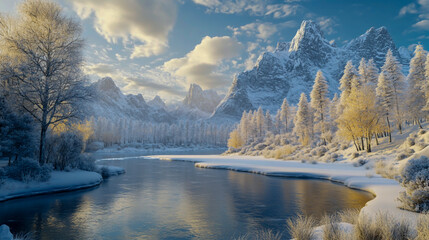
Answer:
(174, 200)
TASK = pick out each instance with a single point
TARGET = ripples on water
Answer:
(174, 200)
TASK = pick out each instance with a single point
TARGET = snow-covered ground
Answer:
(385, 190)
(59, 182)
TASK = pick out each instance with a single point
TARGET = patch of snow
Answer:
(59, 182)
(5, 233)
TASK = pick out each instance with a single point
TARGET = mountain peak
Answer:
(205, 100)
(309, 32)
(107, 84)
(157, 102)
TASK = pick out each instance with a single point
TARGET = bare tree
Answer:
(40, 63)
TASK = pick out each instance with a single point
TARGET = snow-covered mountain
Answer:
(109, 102)
(198, 104)
(204, 100)
(157, 102)
(292, 67)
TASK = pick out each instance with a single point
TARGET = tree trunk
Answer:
(388, 127)
(376, 139)
(42, 145)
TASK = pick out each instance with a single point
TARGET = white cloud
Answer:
(253, 7)
(260, 30)
(410, 8)
(145, 23)
(327, 24)
(201, 64)
(423, 24)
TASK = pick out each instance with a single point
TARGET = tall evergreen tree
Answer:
(384, 98)
(284, 116)
(416, 81)
(396, 82)
(320, 103)
(303, 121)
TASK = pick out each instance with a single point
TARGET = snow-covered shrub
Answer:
(359, 163)
(27, 169)
(410, 141)
(355, 155)
(401, 156)
(320, 151)
(284, 151)
(420, 146)
(85, 163)
(301, 227)
(386, 169)
(64, 150)
(260, 146)
(415, 179)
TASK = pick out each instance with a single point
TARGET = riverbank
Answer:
(59, 182)
(385, 190)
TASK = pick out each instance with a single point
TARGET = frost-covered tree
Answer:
(40, 59)
(333, 113)
(425, 86)
(395, 81)
(320, 104)
(260, 123)
(346, 80)
(371, 73)
(384, 95)
(268, 122)
(416, 82)
(304, 121)
(16, 133)
(284, 116)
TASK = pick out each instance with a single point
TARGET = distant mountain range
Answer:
(292, 67)
(110, 103)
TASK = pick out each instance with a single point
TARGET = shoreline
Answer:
(385, 191)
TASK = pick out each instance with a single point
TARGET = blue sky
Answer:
(159, 47)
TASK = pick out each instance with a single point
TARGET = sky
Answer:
(160, 47)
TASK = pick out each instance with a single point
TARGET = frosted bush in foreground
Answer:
(28, 170)
(415, 179)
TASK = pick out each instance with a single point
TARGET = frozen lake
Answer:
(174, 200)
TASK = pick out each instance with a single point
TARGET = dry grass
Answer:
(331, 229)
(301, 227)
(423, 227)
(261, 235)
(349, 216)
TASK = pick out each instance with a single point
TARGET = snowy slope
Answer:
(292, 67)
(109, 102)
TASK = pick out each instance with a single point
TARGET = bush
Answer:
(415, 179)
(85, 163)
(27, 169)
(64, 150)
(301, 228)
(386, 169)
